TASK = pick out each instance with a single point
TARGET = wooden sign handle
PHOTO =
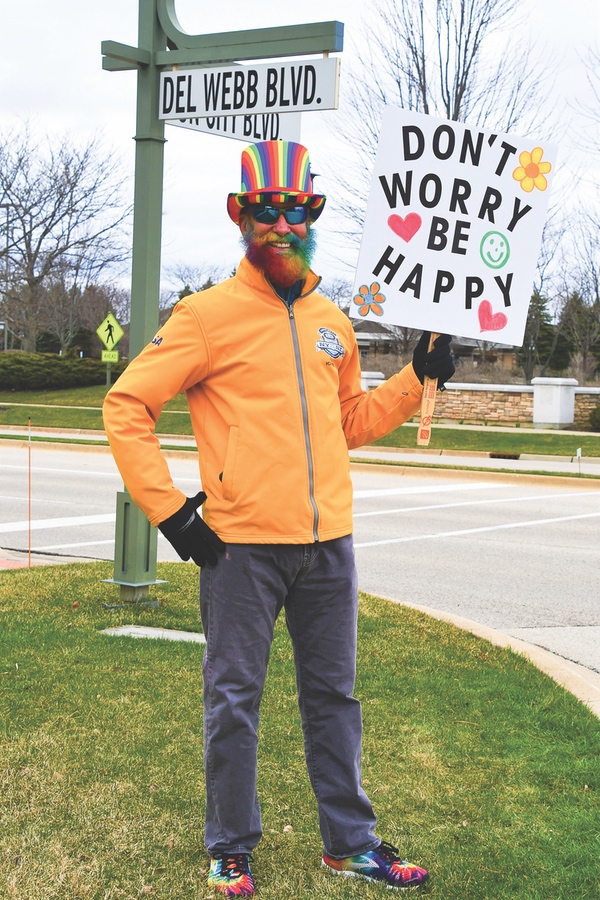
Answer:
(427, 404)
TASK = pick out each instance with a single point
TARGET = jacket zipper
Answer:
(301, 385)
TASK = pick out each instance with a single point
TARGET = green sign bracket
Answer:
(132, 57)
(227, 47)
(263, 43)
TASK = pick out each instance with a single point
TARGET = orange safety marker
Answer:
(428, 403)
(29, 493)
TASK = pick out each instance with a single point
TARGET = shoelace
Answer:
(387, 851)
(234, 865)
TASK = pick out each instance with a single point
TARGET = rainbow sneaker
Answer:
(230, 875)
(382, 864)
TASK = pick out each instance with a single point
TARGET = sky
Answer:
(51, 75)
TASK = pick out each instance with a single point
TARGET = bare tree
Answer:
(191, 279)
(66, 309)
(580, 308)
(338, 289)
(64, 224)
(456, 59)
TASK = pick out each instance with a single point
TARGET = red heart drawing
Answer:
(489, 320)
(405, 228)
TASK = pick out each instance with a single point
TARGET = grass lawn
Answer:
(516, 441)
(479, 766)
(175, 420)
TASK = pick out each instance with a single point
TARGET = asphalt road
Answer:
(519, 556)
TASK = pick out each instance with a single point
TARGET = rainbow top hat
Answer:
(275, 172)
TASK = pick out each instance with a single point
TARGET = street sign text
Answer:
(264, 127)
(250, 90)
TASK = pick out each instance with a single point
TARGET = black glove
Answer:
(437, 363)
(190, 536)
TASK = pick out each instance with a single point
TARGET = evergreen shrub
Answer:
(46, 371)
(594, 419)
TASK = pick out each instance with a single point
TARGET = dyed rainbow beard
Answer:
(282, 270)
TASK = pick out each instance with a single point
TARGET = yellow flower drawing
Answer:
(532, 171)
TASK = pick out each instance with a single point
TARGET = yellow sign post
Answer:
(110, 333)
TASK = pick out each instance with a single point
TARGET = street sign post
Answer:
(162, 44)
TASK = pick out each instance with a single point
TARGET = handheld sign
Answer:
(453, 228)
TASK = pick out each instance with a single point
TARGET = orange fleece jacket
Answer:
(275, 401)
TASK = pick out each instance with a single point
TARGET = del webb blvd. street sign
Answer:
(264, 127)
(298, 86)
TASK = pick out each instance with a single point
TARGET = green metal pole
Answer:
(135, 560)
(148, 192)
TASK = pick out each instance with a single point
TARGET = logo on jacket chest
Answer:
(330, 343)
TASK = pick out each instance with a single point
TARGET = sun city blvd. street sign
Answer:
(297, 86)
(266, 127)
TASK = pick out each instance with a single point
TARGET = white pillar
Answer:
(553, 402)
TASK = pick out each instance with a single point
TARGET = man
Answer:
(272, 376)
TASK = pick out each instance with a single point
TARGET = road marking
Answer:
(409, 509)
(445, 534)
(430, 489)
(68, 546)
(36, 500)
(65, 471)
(65, 522)
(105, 474)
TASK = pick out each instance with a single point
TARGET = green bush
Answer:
(45, 371)
(594, 419)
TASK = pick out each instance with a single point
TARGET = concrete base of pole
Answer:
(135, 593)
(132, 594)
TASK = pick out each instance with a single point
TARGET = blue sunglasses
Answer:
(269, 215)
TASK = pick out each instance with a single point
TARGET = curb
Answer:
(467, 474)
(583, 683)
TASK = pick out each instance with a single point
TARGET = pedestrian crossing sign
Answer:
(110, 332)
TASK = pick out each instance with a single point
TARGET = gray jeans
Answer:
(240, 599)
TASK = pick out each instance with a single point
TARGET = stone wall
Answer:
(480, 403)
(502, 404)
(586, 399)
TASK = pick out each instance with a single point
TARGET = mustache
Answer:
(292, 239)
